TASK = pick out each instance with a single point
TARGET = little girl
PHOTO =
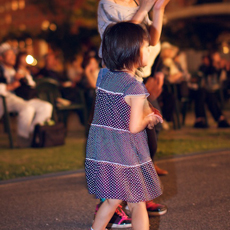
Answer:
(118, 165)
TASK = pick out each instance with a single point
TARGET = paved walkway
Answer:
(196, 191)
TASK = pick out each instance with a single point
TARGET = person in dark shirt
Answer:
(48, 71)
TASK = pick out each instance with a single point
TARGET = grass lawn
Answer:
(15, 163)
(189, 140)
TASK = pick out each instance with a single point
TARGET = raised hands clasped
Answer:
(146, 5)
(160, 4)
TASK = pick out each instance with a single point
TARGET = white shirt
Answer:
(9, 74)
(110, 12)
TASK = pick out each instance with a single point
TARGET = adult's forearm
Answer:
(139, 16)
(156, 26)
(144, 8)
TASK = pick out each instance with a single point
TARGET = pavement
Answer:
(196, 191)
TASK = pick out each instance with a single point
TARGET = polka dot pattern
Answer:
(118, 165)
(113, 181)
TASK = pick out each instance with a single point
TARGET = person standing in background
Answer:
(113, 11)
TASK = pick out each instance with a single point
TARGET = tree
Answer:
(79, 25)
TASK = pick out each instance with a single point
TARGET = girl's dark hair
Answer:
(121, 45)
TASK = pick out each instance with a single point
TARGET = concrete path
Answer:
(196, 191)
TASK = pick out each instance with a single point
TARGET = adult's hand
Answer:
(146, 5)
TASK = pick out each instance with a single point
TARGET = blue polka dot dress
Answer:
(118, 164)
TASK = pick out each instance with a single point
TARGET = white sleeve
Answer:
(154, 51)
(3, 90)
(30, 80)
(106, 15)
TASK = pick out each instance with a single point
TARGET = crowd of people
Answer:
(18, 85)
(15, 84)
(207, 87)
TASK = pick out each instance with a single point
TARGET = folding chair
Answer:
(48, 90)
(6, 121)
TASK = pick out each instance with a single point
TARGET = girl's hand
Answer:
(160, 4)
(151, 122)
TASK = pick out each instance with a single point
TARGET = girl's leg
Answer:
(104, 213)
(139, 214)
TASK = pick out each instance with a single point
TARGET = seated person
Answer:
(49, 71)
(212, 74)
(27, 89)
(74, 70)
(91, 69)
(31, 112)
(69, 90)
(175, 74)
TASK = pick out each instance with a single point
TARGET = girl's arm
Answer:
(138, 118)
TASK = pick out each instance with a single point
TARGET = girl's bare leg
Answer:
(105, 213)
(139, 214)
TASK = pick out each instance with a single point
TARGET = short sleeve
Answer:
(107, 14)
(136, 89)
(3, 90)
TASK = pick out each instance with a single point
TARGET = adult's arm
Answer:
(4, 87)
(110, 12)
(157, 17)
(13, 86)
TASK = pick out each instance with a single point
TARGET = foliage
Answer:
(78, 29)
(87, 14)
(69, 43)
(46, 6)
